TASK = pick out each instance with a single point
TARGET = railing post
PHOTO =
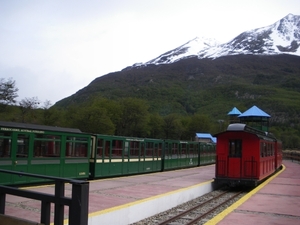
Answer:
(78, 204)
(45, 212)
(2, 203)
(59, 207)
(79, 208)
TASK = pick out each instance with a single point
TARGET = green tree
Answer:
(155, 125)
(27, 107)
(133, 118)
(95, 120)
(90, 119)
(199, 124)
(112, 107)
(8, 92)
(50, 115)
(172, 126)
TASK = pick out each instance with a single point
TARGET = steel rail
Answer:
(213, 209)
(191, 209)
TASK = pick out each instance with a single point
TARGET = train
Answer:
(246, 153)
(70, 153)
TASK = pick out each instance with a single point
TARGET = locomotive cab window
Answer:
(235, 148)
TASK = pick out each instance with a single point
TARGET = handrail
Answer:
(78, 203)
(292, 156)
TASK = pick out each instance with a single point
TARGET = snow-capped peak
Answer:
(191, 48)
(282, 37)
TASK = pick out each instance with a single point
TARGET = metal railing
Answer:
(294, 156)
(78, 202)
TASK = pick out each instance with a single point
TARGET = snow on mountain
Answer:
(282, 37)
(191, 48)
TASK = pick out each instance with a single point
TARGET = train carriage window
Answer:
(158, 149)
(126, 148)
(265, 150)
(196, 149)
(143, 150)
(134, 149)
(23, 146)
(272, 149)
(77, 147)
(168, 149)
(235, 148)
(5, 144)
(174, 151)
(106, 145)
(117, 148)
(184, 150)
(149, 149)
(46, 146)
(191, 151)
(99, 148)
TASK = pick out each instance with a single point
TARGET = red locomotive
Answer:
(246, 152)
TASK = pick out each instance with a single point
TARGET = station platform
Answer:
(126, 200)
(276, 201)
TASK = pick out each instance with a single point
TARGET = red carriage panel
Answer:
(234, 167)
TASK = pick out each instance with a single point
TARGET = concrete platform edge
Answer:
(139, 210)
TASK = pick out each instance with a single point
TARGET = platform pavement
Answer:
(277, 201)
(131, 198)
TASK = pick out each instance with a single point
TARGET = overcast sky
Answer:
(53, 48)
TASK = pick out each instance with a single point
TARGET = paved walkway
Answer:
(111, 194)
(276, 202)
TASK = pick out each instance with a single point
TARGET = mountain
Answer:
(258, 67)
(282, 37)
(209, 86)
(189, 49)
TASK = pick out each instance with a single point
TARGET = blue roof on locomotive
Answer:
(254, 111)
(234, 112)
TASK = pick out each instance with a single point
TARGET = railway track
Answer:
(197, 211)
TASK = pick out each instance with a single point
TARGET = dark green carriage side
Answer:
(119, 156)
(46, 150)
(180, 154)
(207, 153)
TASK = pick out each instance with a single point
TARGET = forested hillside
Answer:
(206, 86)
(179, 99)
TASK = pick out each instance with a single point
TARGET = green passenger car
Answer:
(119, 156)
(45, 150)
(207, 153)
(180, 154)
(70, 153)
